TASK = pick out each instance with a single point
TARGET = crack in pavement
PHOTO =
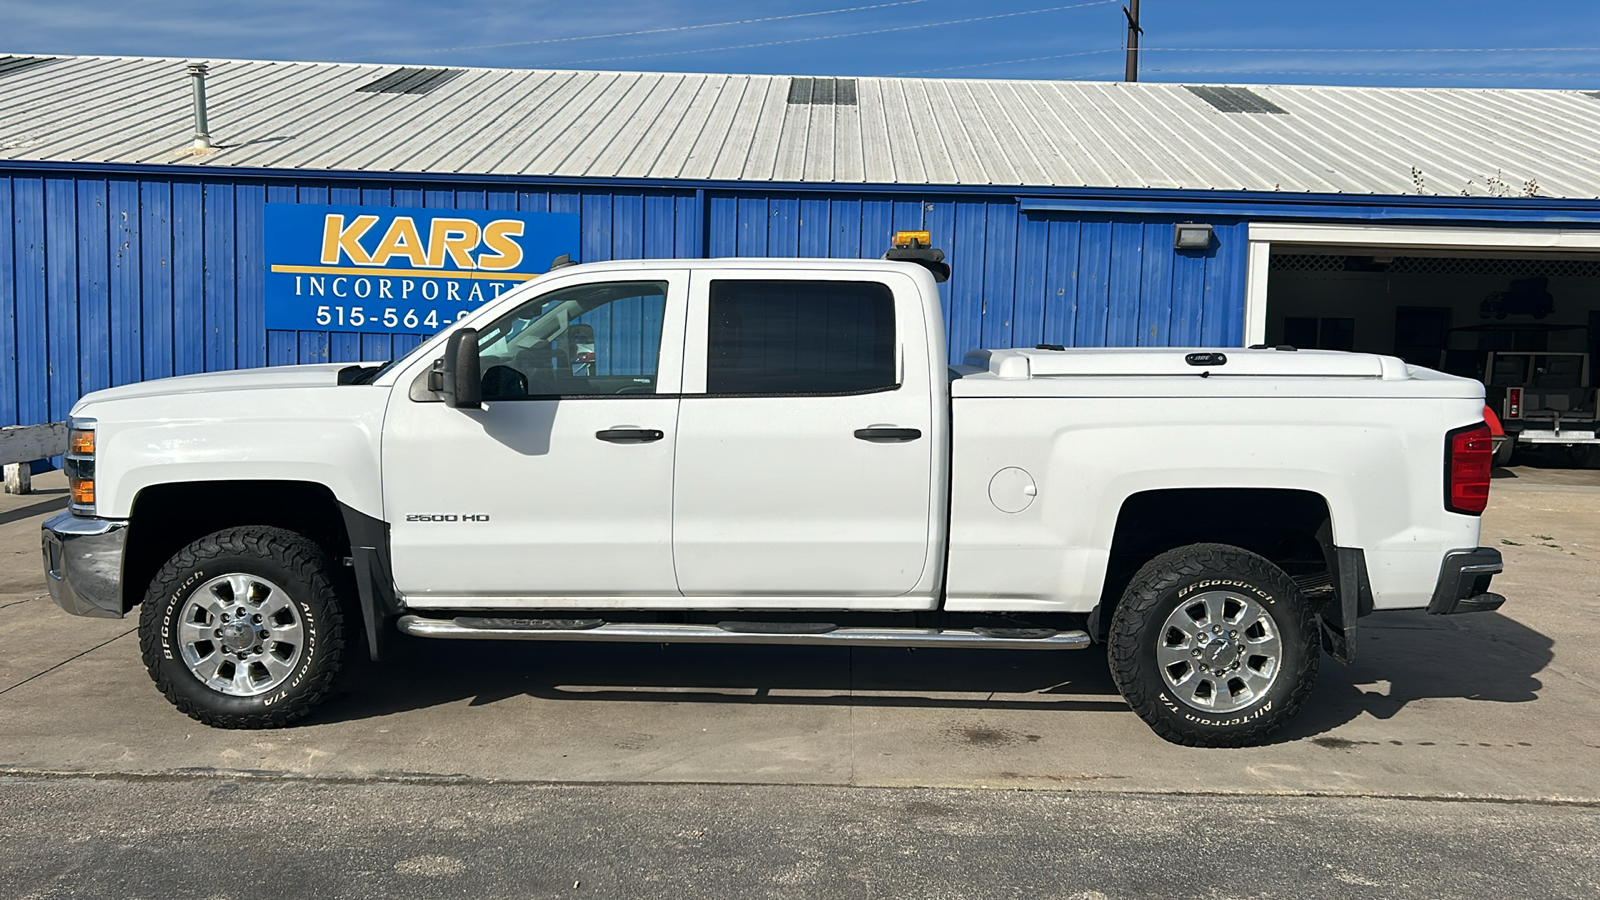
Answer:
(424, 779)
(65, 661)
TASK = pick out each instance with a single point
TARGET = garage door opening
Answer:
(1525, 324)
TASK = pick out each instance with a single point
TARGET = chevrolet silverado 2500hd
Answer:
(775, 451)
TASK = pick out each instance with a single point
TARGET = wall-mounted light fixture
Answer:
(1189, 236)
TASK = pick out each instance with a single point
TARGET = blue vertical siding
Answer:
(127, 325)
(33, 368)
(964, 307)
(250, 336)
(155, 298)
(188, 278)
(94, 295)
(111, 280)
(8, 306)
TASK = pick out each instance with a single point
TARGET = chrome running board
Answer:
(508, 629)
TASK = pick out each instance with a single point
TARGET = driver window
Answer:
(584, 341)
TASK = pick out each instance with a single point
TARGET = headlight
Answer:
(80, 464)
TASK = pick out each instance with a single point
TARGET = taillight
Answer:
(1513, 403)
(1468, 453)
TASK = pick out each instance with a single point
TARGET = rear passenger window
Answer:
(800, 337)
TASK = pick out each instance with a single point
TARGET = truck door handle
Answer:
(630, 435)
(887, 435)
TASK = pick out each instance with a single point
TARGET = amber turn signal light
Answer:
(80, 442)
(82, 491)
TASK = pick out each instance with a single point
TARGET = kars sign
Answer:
(377, 269)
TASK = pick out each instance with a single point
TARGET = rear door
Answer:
(805, 441)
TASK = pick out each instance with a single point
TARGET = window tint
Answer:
(587, 340)
(793, 337)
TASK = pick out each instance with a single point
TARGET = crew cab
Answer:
(776, 451)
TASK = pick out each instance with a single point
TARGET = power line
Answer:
(674, 28)
(1027, 59)
(1478, 74)
(1375, 49)
(1007, 62)
(829, 37)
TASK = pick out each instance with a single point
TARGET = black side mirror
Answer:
(461, 381)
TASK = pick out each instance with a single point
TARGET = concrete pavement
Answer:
(1498, 705)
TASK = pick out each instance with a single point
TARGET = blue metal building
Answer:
(129, 250)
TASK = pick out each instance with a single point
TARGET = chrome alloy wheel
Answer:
(1219, 651)
(240, 635)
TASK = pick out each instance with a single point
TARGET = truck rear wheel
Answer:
(243, 628)
(1213, 646)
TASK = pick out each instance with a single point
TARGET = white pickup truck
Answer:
(775, 451)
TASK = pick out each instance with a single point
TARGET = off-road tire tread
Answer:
(296, 553)
(1148, 587)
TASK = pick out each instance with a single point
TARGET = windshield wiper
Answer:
(361, 374)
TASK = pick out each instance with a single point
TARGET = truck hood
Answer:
(278, 377)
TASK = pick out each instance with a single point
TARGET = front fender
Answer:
(327, 436)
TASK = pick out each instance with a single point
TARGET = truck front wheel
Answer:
(243, 628)
(1213, 646)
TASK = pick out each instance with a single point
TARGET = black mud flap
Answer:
(369, 559)
(1352, 596)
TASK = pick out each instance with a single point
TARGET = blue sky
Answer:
(1464, 43)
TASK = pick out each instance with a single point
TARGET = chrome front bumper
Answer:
(83, 564)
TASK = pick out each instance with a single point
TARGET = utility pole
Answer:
(1132, 12)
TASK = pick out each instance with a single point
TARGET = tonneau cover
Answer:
(1089, 362)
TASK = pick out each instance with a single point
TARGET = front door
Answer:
(559, 489)
(805, 442)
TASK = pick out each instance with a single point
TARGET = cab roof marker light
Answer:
(912, 246)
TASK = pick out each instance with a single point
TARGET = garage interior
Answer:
(1510, 319)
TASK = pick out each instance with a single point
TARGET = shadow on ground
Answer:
(1409, 656)
(49, 504)
(1402, 658)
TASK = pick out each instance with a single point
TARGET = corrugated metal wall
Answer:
(109, 280)
(1019, 279)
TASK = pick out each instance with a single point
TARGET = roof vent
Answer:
(1235, 99)
(12, 64)
(822, 91)
(409, 81)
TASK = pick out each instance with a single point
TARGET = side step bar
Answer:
(506, 629)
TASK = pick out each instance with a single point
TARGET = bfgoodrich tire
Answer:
(243, 628)
(1213, 646)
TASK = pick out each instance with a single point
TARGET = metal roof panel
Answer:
(313, 117)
